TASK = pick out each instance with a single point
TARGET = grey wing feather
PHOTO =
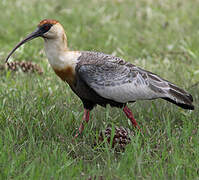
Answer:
(115, 79)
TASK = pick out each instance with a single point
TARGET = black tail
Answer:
(184, 106)
(179, 97)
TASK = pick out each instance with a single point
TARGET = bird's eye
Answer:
(46, 27)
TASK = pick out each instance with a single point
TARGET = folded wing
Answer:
(115, 79)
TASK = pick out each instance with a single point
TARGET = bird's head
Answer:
(47, 29)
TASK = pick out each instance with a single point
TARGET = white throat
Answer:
(58, 55)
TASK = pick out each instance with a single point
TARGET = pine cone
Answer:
(24, 66)
(120, 140)
(12, 66)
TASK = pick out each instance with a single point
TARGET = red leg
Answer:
(85, 118)
(129, 114)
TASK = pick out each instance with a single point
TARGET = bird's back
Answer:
(120, 81)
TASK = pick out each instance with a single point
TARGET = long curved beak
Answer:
(31, 36)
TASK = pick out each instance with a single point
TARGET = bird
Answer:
(102, 79)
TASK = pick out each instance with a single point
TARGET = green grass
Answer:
(39, 115)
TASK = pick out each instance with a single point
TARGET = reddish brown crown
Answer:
(48, 21)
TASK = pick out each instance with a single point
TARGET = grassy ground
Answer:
(39, 115)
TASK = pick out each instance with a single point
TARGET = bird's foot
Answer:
(81, 128)
(85, 118)
(129, 114)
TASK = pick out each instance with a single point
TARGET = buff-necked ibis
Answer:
(101, 79)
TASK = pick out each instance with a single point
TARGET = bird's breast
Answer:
(64, 63)
(67, 74)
